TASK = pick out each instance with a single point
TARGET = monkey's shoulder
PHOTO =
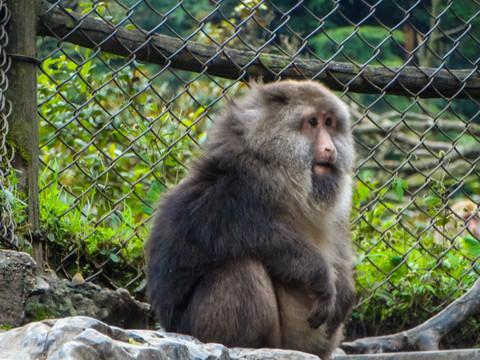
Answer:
(234, 176)
(219, 194)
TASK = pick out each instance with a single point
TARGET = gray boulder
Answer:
(84, 338)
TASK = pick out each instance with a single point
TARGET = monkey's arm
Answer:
(292, 260)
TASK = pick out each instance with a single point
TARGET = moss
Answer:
(23, 153)
(5, 327)
(39, 312)
(269, 61)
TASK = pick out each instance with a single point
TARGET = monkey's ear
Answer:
(274, 93)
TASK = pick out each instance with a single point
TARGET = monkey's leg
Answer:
(295, 306)
(236, 306)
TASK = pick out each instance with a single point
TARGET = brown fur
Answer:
(253, 248)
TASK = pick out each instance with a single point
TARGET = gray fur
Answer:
(252, 249)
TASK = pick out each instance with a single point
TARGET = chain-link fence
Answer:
(127, 90)
(8, 238)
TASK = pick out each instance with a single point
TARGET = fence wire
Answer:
(127, 91)
(8, 237)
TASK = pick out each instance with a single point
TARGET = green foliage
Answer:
(12, 204)
(70, 225)
(403, 275)
(11, 199)
(360, 45)
(123, 113)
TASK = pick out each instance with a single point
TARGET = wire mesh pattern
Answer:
(8, 238)
(128, 89)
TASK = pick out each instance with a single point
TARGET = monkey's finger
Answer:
(316, 320)
(332, 327)
(319, 315)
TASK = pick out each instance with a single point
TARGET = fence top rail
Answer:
(233, 64)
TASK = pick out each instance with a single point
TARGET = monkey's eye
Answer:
(313, 121)
(328, 121)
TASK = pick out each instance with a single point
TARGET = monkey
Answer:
(464, 221)
(253, 247)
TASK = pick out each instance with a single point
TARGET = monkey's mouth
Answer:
(322, 168)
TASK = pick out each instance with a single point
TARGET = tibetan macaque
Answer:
(464, 221)
(253, 249)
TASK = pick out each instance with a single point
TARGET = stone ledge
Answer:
(467, 354)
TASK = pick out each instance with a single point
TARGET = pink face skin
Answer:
(473, 225)
(318, 127)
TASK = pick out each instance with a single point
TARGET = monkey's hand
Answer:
(323, 307)
(344, 302)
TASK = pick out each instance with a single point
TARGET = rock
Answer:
(270, 354)
(84, 338)
(62, 299)
(33, 297)
(17, 282)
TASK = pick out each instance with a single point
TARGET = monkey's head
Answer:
(299, 126)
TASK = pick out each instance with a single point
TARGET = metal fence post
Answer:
(22, 93)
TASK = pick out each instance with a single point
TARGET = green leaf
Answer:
(155, 190)
(147, 210)
(363, 191)
(71, 66)
(432, 200)
(398, 186)
(114, 258)
(395, 260)
(453, 260)
(472, 246)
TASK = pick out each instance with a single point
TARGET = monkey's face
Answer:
(317, 128)
(305, 128)
(321, 128)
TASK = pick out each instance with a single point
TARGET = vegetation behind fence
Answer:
(127, 90)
